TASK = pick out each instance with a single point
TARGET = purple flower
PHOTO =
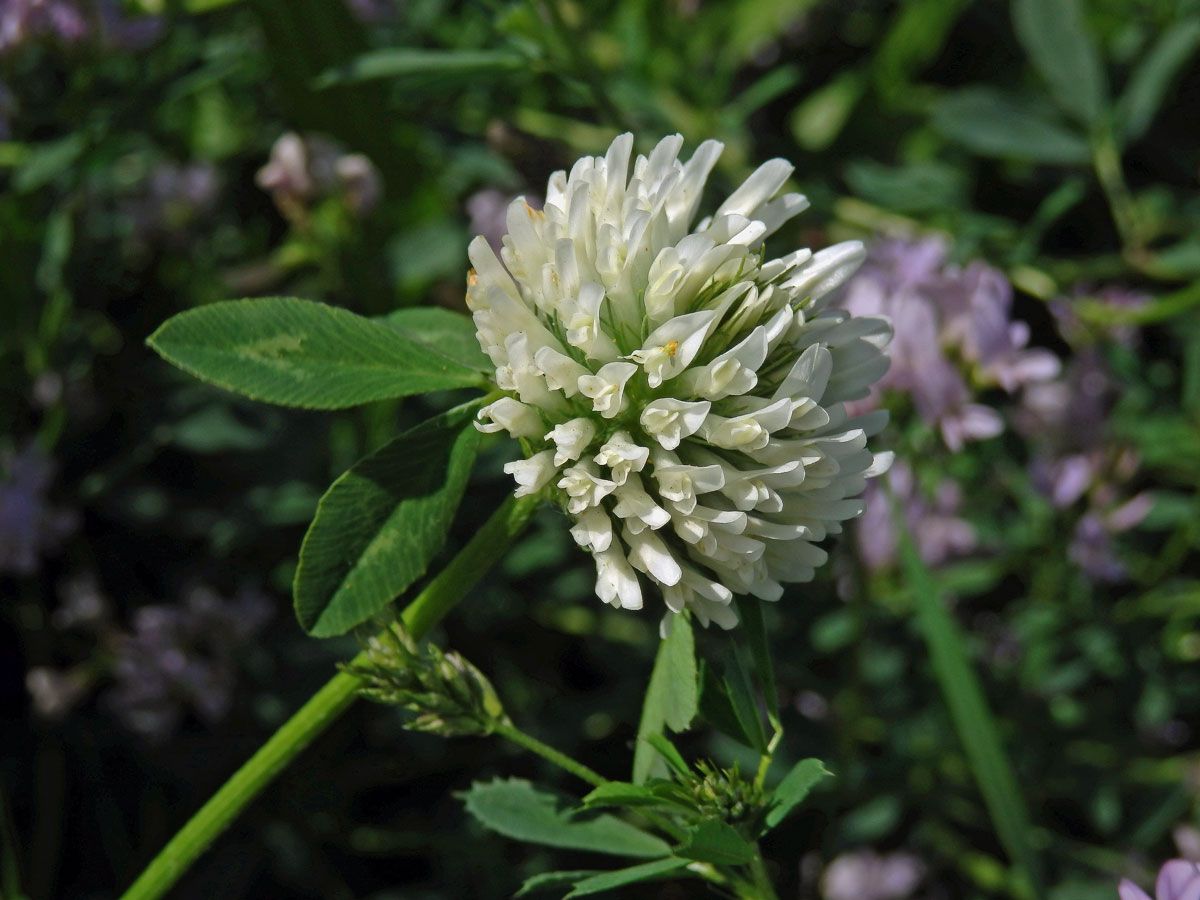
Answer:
(1178, 879)
(937, 531)
(30, 528)
(181, 657)
(21, 20)
(866, 875)
(953, 334)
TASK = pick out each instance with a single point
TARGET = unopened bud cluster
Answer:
(447, 695)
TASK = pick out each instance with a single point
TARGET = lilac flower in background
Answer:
(30, 528)
(488, 210)
(1178, 879)
(302, 171)
(953, 334)
(1113, 297)
(123, 32)
(182, 656)
(937, 530)
(373, 12)
(1074, 461)
(172, 198)
(24, 20)
(177, 657)
(867, 875)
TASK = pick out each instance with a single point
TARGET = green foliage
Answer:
(791, 791)
(607, 881)
(994, 124)
(451, 333)
(378, 526)
(298, 353)
(1150, 79)
(713, 841)
(516, 809)
(1062, 50)
(671, 696)
(418, 68)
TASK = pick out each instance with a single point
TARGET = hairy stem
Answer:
(438, 598)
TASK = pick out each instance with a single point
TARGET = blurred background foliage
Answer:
(1026, 175)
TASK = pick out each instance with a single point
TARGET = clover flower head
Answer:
(679, 393)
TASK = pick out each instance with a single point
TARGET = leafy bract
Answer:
(300, 353)
(796, 784)
(516, 809)
(379, 525)
(671, 697)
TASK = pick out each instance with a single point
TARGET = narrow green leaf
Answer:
(671, 696)
(717, 709)
(993, 124)
(547, 880)
(422, 65)
(716, 842)
(1058, 43)
(47, 162)
(667, 750)
(750, 611)
(449, 333)
(380, 524)
(299, 353)
(1143, 96)
(977, 729)
(622, 793)
(790, 792)
(516, 809)
(740, 690)
(606, 881)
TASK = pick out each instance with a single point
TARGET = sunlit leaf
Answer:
(299, 353)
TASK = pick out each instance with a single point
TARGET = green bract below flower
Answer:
(680, 395)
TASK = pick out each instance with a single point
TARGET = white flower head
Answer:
(681, 393)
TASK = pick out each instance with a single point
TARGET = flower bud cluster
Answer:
(681, 395)
(447, 694)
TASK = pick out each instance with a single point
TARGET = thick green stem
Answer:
(438, 598)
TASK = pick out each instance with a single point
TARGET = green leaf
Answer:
(623, 793)
(821, 116)
(380, 524)
(547, 880)
(427, 67)
(606, 881)
(714, 841)
(915, 188)
(47, 162)
(717, 709)
(740, 691)
(672, 756)
(993, 124)
(516, 809)
(750, 611)
(671, 696)
(973, 720)
(790, 792)
(1147, 86)
(1061, 49)
(449, 333)
(299, 353)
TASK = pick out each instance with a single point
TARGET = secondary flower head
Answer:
(1178, 879)
(680, 394)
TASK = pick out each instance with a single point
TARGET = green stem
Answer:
(762, 881)
(529, 742)
(438, 598)
(1106, 160)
